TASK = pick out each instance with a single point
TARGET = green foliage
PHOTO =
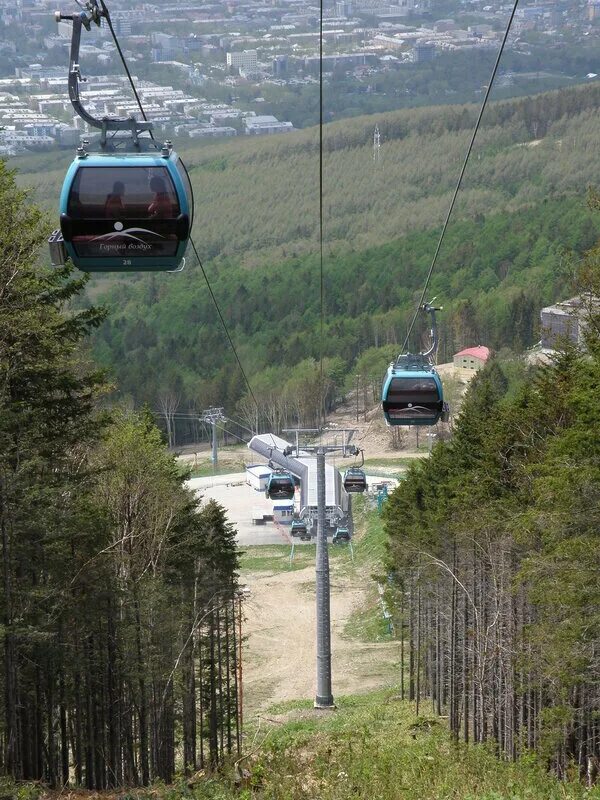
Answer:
(367, 624)
(276, 558)
(256, 201)
(275, 322)
(505, 515)
(369, 548)
(206, 469)
(373, 747)
(110, 573)
(503, 259)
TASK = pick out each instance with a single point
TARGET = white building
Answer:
(257, 476)
(256, 126)
(246, 60)
(283, 512)
(566, 320)
(212, 131)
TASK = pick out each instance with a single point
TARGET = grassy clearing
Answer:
(276, 558)
(389, 463)
(367, 623)
(371, 748)
(369, 543)
(387, 473)
(205, 469)
(374, 748)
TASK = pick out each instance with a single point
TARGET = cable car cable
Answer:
(212, 294)
(106, 13)
(461, 175)
(230, 433)
(241, 425)
(321, 275)
(223, 323)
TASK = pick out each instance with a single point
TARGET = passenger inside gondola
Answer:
(161, 205)
(114, 206)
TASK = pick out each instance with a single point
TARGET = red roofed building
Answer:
(472, 357)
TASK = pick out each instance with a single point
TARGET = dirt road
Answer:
(280, 650)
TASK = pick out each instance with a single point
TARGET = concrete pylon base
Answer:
(324, 702)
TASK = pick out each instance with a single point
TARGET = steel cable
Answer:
(106, 13)
(461, 175)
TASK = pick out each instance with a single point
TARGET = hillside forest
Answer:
(521, 221)
(483, 537)
(493, 558)
(118, 607)
(120, 603)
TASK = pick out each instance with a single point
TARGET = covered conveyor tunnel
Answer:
(304, 467)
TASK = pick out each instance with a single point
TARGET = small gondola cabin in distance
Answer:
(355, 480)
(412, 392)
(280, 486)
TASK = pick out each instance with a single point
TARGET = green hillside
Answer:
(494, 276)
(258, 199)
(521, 211)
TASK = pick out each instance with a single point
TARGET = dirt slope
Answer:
(280, 649)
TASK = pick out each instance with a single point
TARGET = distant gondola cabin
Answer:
(280, 486)
(355, 480)
(412, 393)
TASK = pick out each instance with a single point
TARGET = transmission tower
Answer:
(376, 144)
(211, 416)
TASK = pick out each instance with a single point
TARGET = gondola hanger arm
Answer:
(84, 19)
(430, 309)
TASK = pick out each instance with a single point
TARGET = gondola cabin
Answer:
(355, 480)
(280, 486)
(299, 528)
(412, 393)
(341, 535)
(126, 211)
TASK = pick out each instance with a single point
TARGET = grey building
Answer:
(565, 319)
(423, 52)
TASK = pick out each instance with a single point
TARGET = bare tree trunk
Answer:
(11, 739)
(411, 645)
(465, 668)
(402, 634)
(418, 658)
(143, 699)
